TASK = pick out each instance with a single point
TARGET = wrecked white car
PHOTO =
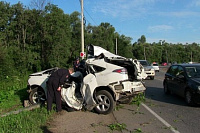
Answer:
(103, 80)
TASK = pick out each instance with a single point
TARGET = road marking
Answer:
(161, 119)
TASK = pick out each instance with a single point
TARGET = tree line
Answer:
(32, 40)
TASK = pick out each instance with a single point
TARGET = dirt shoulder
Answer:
(80, 122)
(88, 122)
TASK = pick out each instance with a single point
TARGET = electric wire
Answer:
(88, 15)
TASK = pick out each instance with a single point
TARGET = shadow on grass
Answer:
(45, 129)
(23, 95)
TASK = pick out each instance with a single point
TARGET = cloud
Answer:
(195, 3)
(179, 14)
(122, 8)
(160, 28)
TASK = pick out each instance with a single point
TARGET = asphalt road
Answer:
(160, 113)
(171, 108)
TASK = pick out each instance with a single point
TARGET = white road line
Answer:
(161, 119)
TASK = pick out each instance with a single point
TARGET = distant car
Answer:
(184, 80)
(164, 64)
(155, 66)
(149, 70)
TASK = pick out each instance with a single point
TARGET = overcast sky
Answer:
(175, 21)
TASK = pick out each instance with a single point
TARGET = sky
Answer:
(174, 21)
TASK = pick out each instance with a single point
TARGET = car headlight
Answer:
(198, 88)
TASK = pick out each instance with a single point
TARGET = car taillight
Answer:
(122, 71)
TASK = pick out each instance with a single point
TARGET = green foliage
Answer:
(34, 40)
(137, 130)
(12, 92)
(117, 126)
(138, 99)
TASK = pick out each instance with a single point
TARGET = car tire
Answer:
(166, 90)
(126, 100)
(152, 77)
(189, 98)
(105, 102)
(37, 96)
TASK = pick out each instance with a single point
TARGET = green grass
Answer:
(117, 126)
(25, 122)
(12, 94)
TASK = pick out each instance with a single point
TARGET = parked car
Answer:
(183, 80)
(149, 70)
(115, 79)
(164, 64)
(155, 66)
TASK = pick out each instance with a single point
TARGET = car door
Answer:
(179, 81)
(169, 77)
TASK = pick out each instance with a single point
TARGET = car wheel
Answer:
(126, 100)
(152, 77)
(37, 96)
(105, 102)
(189, 98)
(166, 90)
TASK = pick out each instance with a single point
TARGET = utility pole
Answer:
(116, 47)
(82, 30)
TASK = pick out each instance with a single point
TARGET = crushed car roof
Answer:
(96, 51)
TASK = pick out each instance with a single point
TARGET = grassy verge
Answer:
(12, 94)
(25, 122)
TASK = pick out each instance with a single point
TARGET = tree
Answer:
(39, 4)
(124, 46)
(142, 39)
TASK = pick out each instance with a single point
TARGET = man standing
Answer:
(54, 83)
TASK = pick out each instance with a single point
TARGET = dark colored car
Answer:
(184, 80)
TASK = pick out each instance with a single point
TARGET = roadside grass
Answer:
(12, 95)
(25, 122)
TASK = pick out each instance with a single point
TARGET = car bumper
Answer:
(156, 69)
(128, 89)
(150, 73)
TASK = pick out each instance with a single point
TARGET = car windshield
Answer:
(144, 63)
(155, 64)
(193, 71)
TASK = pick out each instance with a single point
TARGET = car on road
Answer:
(149, 70)
(116, 79)
(155, 66)
(164, 64)
(183, 80)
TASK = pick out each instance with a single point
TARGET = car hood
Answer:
(147, 67)
(94, 51)
(47, 71)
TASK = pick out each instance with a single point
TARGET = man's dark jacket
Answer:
(60, 76)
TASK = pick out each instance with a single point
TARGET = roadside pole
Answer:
(82, 30)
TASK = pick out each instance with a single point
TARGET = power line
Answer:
(88, 14)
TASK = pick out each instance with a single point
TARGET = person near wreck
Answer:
(54, 83)
(76, 64)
